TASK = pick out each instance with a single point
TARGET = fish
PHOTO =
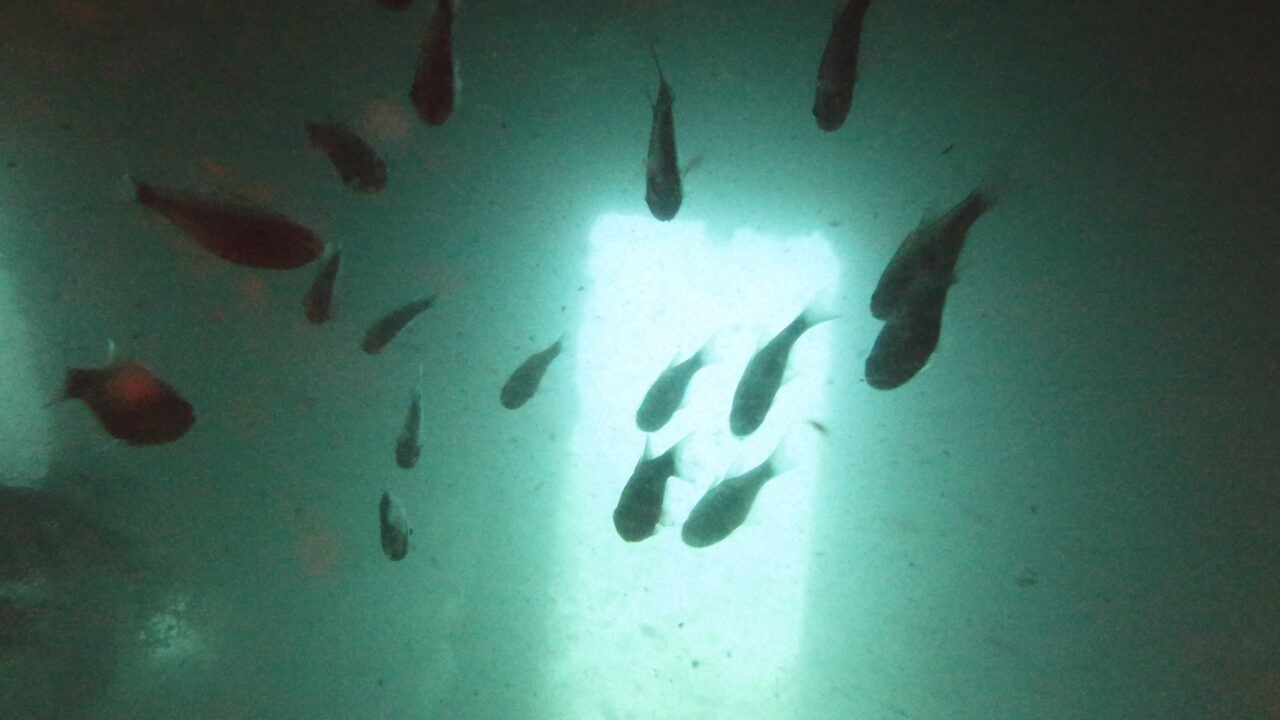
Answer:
(667, 392)
(763, 375)
(929, 252)
(394, 527)
(235, 231)
(640, 506)
(318, 302)
(725, 506)
(130, 402)
(388, 326)
(838, 70)
(409, 443)
(525, 380)
(357, 164)
(435, 82)
(663, 192)
(910, 336)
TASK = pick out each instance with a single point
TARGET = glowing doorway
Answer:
(657, 629)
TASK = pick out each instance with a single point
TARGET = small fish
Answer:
(435, 83)
(667, 392)
(393, 527)
(839, 67)
(318, 302)
(409, 443)
(385, 329)
(663, 192)
(525, 380)
(640, 505)
(725, 506)
(130, 402)
(357, 164)
(763, 376)
(243, 234)
(929, 253)
(947, 149)
(909, 337)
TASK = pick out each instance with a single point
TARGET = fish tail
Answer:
(820, 309)
(783, 458)
(143, 192)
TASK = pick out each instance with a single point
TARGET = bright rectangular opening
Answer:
(657, 629)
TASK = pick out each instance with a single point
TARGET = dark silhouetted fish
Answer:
(929, 253)
(663, 191)
(435, 83)
(839, 68)
(640, 505)
(357, 163)
(910, 336)
(393, 527)
(763, 375)
(409, 443)
(318, 302)
(725, 506)
(234, 231)
(666, 394)
(130, 402)
(525, 380)
(385, 329)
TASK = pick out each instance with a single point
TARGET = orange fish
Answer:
(132, 404)
(240, 233)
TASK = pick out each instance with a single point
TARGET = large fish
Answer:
(640, 506)
(525, 380)
(839, 68)
(409, 443)
(725, 506)
(393, 527)
(663, 192)
(667, 392)
(357, 164)
(910, 336)
(318, 302)
(234, 231)
(763, 376)
(388, 326)
(130, 402)
(929, 253)
(435, 83)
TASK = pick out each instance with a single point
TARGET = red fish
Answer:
(434, 84)
(132, 404)
(240, 233)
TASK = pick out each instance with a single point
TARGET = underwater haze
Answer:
(1067, 509)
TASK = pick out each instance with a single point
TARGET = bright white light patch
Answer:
(657, 629)
(24, 423)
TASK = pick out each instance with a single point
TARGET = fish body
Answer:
(929, 253)
(663, 191)
(524, 382)
(393, 527)
(239, 233)
(910, 336)
(763, 376)
(640, 506)
(357, 164)
(725, 506)
(839, 67)
(318, 302)
(434, 83)
(388, 326)
(131, 403)
(409, 443)
(667, 392)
